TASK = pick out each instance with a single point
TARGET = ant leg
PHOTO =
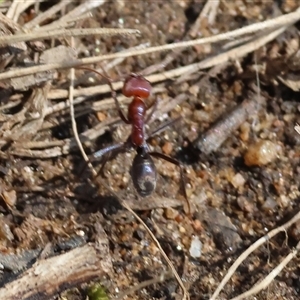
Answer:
(154, 107)
(106, 158)
(163, 127)
(177, 163)
(99, 154)
(105, 152)
(113, 93)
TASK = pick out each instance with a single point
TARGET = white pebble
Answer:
(196, 247)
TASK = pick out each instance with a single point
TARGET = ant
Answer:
(143, 171)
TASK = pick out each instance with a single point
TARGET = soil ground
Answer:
(246, 187)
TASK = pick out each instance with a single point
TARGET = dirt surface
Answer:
(237, 144)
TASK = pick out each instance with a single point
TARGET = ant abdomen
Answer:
(143, 173)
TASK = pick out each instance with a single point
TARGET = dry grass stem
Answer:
(172, 56)
(231, 55)
(269, 278)
(207, 63)
(41, 17)
(253, 247)
(209, 11)
(161, 278)
(101, 89)
(17, 7)
(71, 98)
(125, 205)
(297, 128)
(43, 128)
(76, 32)
(64, 147)
(77, 12)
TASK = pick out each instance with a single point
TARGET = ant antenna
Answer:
(113, 92)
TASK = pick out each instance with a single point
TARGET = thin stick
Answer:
(160, 278)
(78, 11)
(174, 54)
(269, 278)
(125, 205)
(76, 32)
(207, 63)
(253, 247)
(209, 11)
(45, 15)
(297, 128)
(71, 98)
(176, 275)
(18, 7)
(215, 136)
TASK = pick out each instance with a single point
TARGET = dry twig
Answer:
(268, 279)
(212, 139)
(76, 32)
(17, 7)
(297, 128)
(284, 21)
(71, 98)
(77, 12)
(47, 14)
(49, 276)
(253, 247)
(209, 11)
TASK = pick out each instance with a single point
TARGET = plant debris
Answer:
(226, 76)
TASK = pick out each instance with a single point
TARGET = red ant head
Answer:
(136, 86)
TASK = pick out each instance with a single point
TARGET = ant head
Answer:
(136, 86)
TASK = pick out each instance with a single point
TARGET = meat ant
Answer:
(143, 171)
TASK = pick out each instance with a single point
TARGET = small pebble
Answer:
(101, 116)
(196, 247)
(5, 231)
(197, 225)
(245, 131)
(295, 230)
(284, 201)
(245, 204)
(182, 229)
(261, 153)
(167, 148)
(238, 180)
(171, 213)
(10, 197)
(194, 90)
(269, 205)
